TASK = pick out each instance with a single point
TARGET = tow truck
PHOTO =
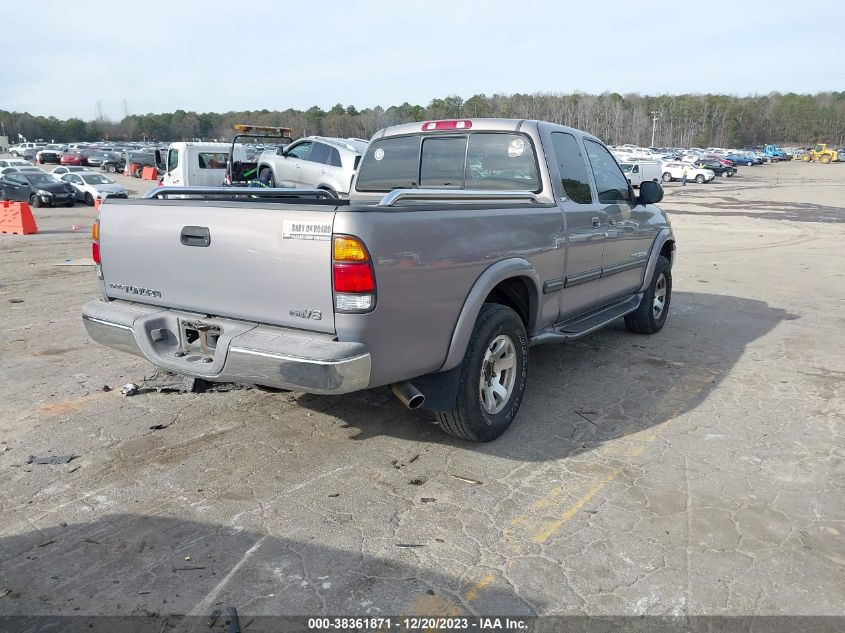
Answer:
(240, 173)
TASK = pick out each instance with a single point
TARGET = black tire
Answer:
(643, 320)
(725, 174)
(89, 199)
(667, 177)
(266, 176)
(137, 173)
(111, 168)
(35, 201)
(469, 419)
(329, 191)
(700, 179)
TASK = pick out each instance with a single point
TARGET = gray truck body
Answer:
(262, 285)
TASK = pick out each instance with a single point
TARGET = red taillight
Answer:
(95, 252)
(353, 278)
(458, 124)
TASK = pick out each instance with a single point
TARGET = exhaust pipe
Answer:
(409, 395)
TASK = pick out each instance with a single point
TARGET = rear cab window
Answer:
(473, 160)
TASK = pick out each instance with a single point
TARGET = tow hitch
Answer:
(198, 339)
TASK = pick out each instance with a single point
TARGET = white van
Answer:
(198, 164)
(637, 173)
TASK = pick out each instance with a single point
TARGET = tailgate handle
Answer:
(195, 236)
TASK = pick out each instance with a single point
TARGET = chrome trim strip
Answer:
(623, 266)
(296, 359)
(460, 195)
(580, 278)
(85, 317)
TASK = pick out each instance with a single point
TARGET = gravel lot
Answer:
(695, 472)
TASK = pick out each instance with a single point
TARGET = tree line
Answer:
(689, 120)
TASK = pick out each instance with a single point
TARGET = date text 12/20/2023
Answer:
(417, 623)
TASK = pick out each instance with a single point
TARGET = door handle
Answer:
(195, 236)
(323, 171)
(596, 223)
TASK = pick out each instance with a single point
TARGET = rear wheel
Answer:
(667, 177)
(111, 168)
(493, 377)
(806, 158)
(825, 159)
(137, 173)
(654, 307)
(329, 191)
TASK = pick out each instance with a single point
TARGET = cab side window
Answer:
(300, 151)
(320, 153)
(573, 169)
(172, 159)
(611, 184)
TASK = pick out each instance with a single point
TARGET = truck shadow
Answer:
(596, 389)
(142, 569)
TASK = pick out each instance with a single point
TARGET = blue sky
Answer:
(222, 55)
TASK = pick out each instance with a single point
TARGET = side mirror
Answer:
(650, 192)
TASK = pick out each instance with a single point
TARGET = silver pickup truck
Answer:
(463, 243)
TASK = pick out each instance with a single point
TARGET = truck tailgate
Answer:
(268, 263)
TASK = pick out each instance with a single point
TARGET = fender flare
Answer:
(493, 275)
(665, 235)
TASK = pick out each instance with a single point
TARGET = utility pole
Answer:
(654, 116)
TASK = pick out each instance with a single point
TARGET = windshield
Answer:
(480, 160)
(54, 147)
(96, 179)
(626, 168)
(39, 179)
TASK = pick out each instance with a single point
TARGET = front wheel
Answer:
(35, 201)
(667, 177)
(493, 377)
(266, 176)
(825, 159)
(89, 199)
(699, 179)
(654, 307)
(111, 168)
(725, 174)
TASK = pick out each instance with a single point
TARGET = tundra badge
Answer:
(307, 314)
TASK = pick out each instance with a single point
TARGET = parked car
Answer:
(25, 150)
(29, 168)
(675, 171)
(716, 167)
(741, 159)
(50, 154)
(96, 157)
(90, 187)
(58, 172)
(39, 189)
(75, 157)
(14, 162)
(313, 162)
(115, 162)
(462, 243)
(139, 160)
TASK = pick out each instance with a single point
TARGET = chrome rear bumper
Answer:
(245, 352)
